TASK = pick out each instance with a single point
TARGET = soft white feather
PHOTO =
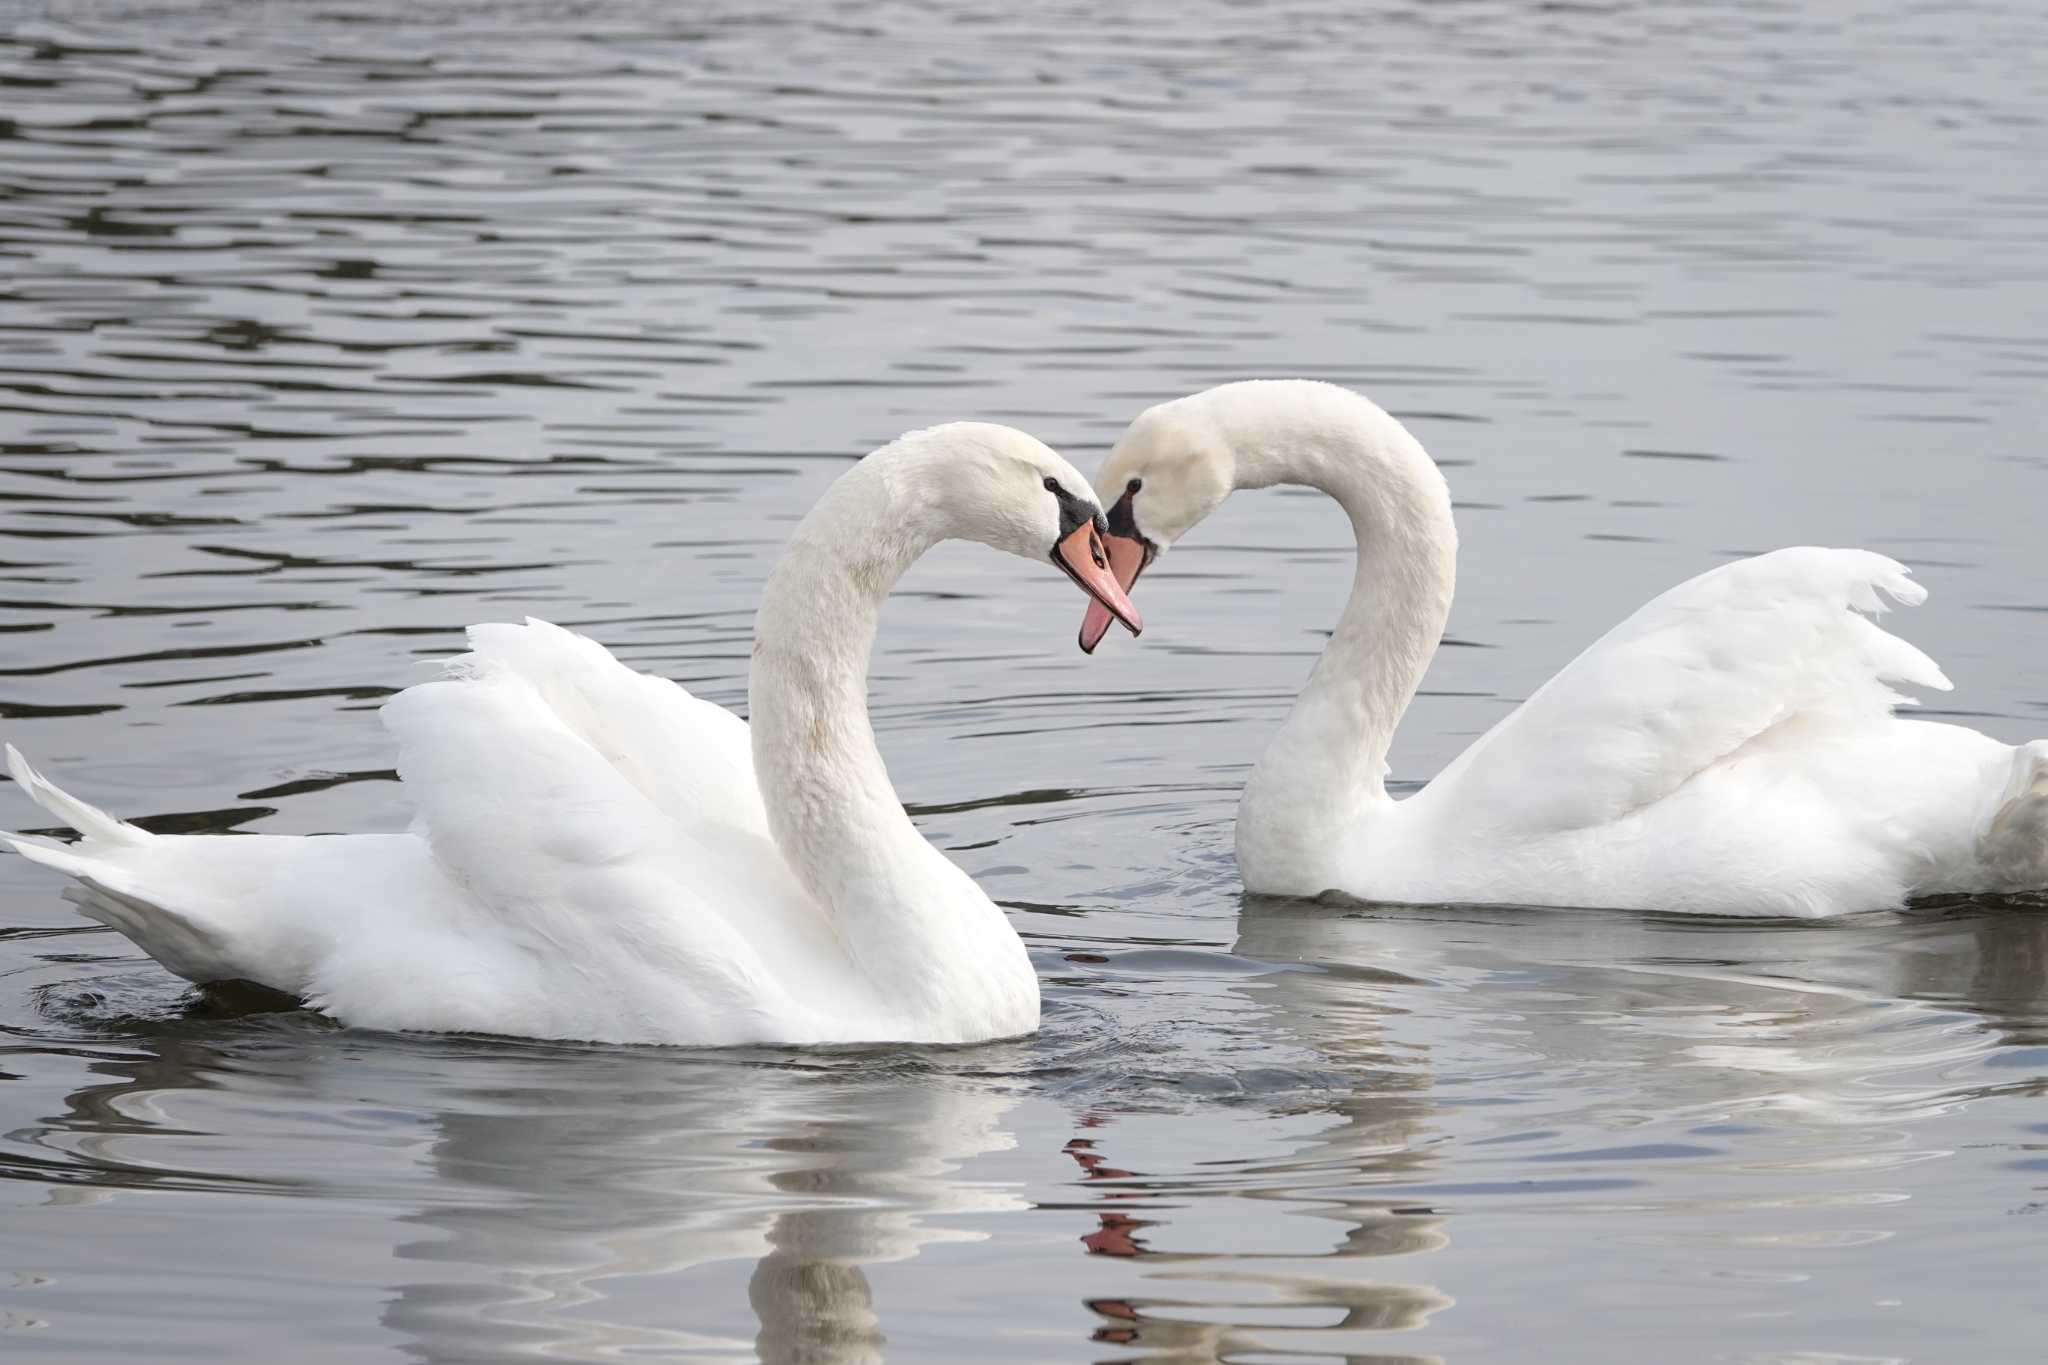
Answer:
(597, 854)
(1731, 748)
(1686, 681)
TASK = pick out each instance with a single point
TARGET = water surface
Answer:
(326, 330)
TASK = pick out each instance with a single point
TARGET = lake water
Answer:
(326, 329)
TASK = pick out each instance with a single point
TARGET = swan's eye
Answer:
(1134, 485)
(1052, 485)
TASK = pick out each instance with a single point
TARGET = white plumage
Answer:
(1731, 748)
(552, 884)
(597, 854)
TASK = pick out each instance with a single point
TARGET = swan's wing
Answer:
(690, 758)
(1686, 681)
(589, 859)
(607, 825)
(537, 757)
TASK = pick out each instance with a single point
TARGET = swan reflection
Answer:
(1205, 1289)
(582, 1191)
(1439, 1118)
(1653, 1091)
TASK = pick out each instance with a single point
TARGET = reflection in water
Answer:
(605, 1183)
(1447, 1100)
(575, 1204)
(1686, 1016)
(1661, 1094)
(1226, 1299)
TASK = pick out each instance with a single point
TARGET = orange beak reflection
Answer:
(1126, 561)
(1081, 554)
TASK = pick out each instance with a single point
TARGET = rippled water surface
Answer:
(326, 329)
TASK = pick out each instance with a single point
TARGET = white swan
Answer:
(1729, 749)
(598, 855)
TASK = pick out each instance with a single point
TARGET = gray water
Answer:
(326, 329)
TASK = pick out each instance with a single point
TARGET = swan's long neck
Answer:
(896, 902)
(1326, 769)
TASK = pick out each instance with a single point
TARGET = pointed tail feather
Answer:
(89, 820)
(181, 938)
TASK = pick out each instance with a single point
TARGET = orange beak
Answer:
(1127, 559)
(1081, 555)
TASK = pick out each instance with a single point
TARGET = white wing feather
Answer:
(589, 859)
(1689, 679)
(690, 758)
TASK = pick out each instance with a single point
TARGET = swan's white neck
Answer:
(910, 919)
(1326, 769)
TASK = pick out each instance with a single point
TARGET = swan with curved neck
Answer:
(596, 854)
(1731, 748)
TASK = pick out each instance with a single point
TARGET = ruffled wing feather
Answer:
(1687, 681)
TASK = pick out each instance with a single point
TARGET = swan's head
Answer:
(1178, 461)
(1003, 488)
(1171, 468)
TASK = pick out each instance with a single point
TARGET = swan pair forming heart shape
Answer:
(596, 854)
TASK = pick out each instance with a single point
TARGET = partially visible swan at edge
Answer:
(599, 855)
(1730, 749)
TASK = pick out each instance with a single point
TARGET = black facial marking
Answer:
(1074, 512)
(1122, 522)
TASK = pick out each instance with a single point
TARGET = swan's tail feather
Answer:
(185, 943)
(89, 820)
(184, 939)
(2015, 844)
(109, 889)
(85, 861)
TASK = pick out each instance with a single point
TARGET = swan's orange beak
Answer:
(1082, 556)
(1128, 557)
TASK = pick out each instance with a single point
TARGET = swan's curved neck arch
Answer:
(897, 903)
(1326, 769)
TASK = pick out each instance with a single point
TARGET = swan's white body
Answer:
(599, 855)
(1732, 748)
